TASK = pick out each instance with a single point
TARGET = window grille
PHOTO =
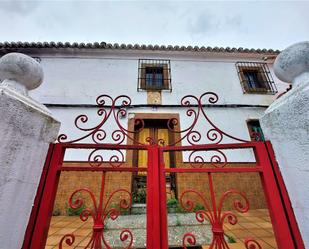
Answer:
(255, 77)
(154, 75)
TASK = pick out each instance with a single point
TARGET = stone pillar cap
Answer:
(293, 62)
(21, 69)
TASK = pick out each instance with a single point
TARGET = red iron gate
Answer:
(204, 171)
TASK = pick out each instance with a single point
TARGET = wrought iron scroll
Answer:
(116, 108)
(216, 217)
(99, 215)
(107, 108)
(115, 160)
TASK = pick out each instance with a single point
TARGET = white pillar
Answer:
(286, 125)
(26, 129)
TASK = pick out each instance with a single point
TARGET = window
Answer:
(154, 75)
(255, 130)
(255, 78)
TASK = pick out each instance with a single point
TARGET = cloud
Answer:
(209, 24)
(246, 24)
(19, 7)
(203, 24)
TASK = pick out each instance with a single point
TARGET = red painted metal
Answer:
(99, 215)
(211, 170)
(285, 199)
(45, 211)
(103, 169)
(157, 232)
(116, 108)
(162, 193)
(38, 198)
(153, 200)
(213, 212)
(275, 205)
(252, 244)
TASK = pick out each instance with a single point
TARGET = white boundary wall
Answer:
(286, 125)
(27, 128)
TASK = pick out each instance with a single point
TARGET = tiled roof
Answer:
(103, 45)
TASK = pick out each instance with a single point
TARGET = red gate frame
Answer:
(282, 216)
(298, 241)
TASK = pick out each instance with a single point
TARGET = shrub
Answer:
(179, 209)
(56, 212)
(230, 239)
(198, 207)
(105, 227)
(75, 211)
(122, 211)
(172, 203)
(140, 196)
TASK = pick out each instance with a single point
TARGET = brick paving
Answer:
(254, 224)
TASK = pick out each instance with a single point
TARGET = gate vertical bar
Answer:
(153, 199)
(276, 209)
(49, 194)
(285, 198)
(163, 213)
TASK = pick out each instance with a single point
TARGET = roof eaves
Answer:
(103, 45)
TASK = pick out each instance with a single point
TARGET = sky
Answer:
(250, 24)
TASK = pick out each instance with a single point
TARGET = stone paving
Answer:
(254, 224)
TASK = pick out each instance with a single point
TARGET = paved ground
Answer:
(254, 224)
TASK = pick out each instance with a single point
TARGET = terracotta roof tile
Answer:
(103, 45)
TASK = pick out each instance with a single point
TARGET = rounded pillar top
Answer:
(22, 69)
(293, 63)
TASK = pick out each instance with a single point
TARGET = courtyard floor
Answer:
(254, 224)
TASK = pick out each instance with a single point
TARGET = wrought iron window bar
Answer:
(255, 77)
(154, 75)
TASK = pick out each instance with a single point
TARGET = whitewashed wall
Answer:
(79, 79)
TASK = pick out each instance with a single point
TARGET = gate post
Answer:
(286, 124)
(27, 129)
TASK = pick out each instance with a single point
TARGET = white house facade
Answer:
(75, 74)
(164, 96)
